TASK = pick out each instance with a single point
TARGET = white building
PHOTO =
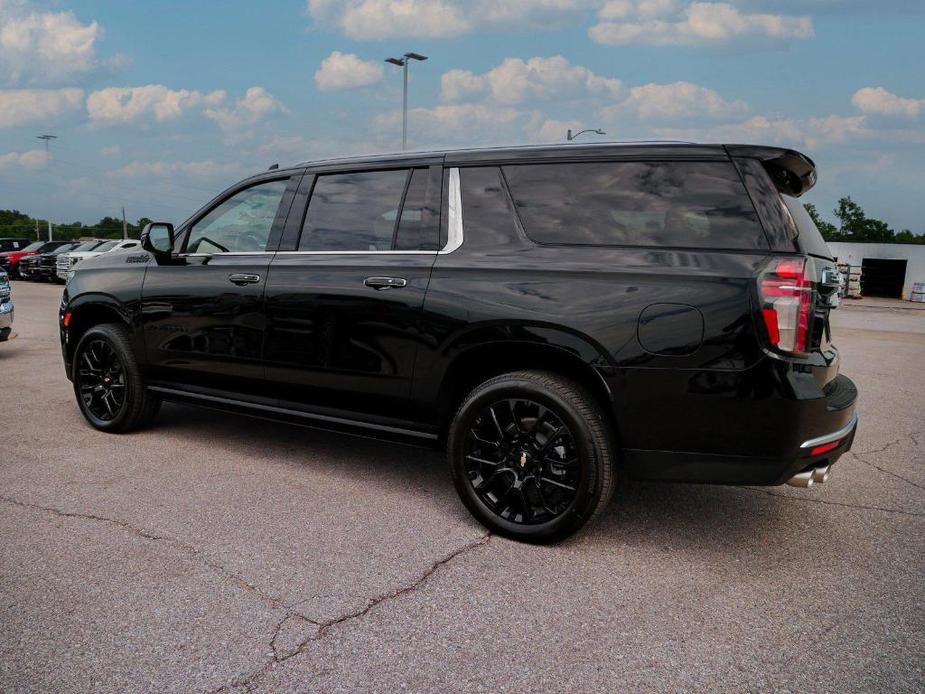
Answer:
(888, 269)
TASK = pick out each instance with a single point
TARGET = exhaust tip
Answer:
(802, 479)
(821, 474)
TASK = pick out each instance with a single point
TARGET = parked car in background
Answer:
(66, 261)
(13, 244)
(42, 266)
(555, 317)
(9, 260)
(6, 307)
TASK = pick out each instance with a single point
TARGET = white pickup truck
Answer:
(66, 261)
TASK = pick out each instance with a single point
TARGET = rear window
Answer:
(680, 204)
(809, 238)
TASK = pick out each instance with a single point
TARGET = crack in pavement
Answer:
(324, 628)
(857, 456)
(188, 549)
(831, 503)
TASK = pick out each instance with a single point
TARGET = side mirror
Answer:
(157, 238)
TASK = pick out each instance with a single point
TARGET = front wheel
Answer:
(531, 456)
(107, 381)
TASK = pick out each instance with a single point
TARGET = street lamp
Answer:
(569, 136)
(403, 63)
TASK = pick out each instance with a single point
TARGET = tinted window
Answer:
(34, 246)
(809, 237)
(486, 215)
(778, 224)
(86, 246)
(353, 211)
(241, 223)
(108, 246)
(417, 230)
(693, 204)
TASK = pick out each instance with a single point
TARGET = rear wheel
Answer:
(107, 381)
(531, 456)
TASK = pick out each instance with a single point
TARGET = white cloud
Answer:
(675, 100)
(664, 23)
(811, 132)
(44, 46)
(515, 81)
(347, 71)
(380, 19)
(256, 104)
(130, 104)
(161, 104)
(383, 19)
(200, 169)
(31, 159)
(111, 151)
(454, 123)
(877, 100)
(552, 130)
(25, 106)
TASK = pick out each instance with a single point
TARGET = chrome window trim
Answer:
(454, 232)
(454, 222)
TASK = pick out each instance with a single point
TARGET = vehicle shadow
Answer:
(699, 520)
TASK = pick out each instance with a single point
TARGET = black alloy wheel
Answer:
(100, 380)
(108, 385)
(522, 461)
(531, 455)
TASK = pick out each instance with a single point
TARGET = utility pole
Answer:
(51, 236)
(37, 236)
(403, 64)
(124, 225)
(47, 139)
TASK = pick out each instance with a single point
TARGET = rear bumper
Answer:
(765, 439)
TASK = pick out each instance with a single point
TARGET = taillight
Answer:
(786, 299)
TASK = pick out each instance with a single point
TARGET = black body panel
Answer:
(671, 339)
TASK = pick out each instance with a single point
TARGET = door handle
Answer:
(242, 278)
(380, 283)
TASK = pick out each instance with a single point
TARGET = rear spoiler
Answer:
(792, 172)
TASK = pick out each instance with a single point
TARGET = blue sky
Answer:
(159, 105)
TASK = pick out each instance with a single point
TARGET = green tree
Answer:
(857, 226)
(827, 229)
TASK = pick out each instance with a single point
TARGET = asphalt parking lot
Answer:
(219, 552)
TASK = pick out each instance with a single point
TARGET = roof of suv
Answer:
(659, 148)
(793, 171)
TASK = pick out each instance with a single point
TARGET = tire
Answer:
(506, 468)
(128, 405)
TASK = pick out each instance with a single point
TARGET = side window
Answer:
(241, 223)
(486, 214)
(680, 204)
(416, 230)
(354, 211)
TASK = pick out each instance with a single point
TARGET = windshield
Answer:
(86, 246)
(63, 249)
(34, 246)
(108, 246)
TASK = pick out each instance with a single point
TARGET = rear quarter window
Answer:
(679, 204)
(809, 238)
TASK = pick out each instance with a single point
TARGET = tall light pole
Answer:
(569, 136)
(403, 63)
(47, 138)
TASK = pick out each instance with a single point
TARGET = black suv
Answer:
(554, 316)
